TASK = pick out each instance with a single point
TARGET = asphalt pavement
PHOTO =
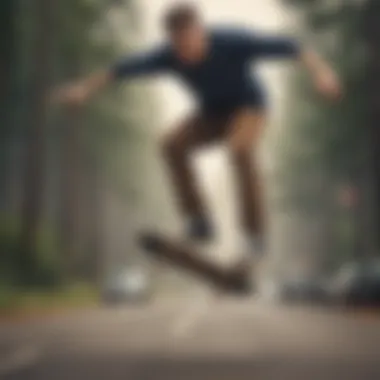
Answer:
(188, 339)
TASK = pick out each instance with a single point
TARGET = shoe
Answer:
(200, 229)
(241, 281)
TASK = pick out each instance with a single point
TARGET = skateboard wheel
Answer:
(149, 242)
(243, 287)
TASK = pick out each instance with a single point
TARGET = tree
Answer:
(73, 162)
(372, 37)
(36, 133)
(93, 143)
(8, 11)
(328, 145)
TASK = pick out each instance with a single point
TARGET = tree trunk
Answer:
(36, 135)
(372, 34)
(71, 212)
(94, 227)
(7, 18)
(7, 61)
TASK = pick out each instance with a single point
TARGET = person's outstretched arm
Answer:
(80, 91)
(324, 77)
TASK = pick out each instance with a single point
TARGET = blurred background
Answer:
(77, 185)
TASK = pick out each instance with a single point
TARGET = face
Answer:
(190, 44)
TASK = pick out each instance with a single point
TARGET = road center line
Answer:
(190, 318)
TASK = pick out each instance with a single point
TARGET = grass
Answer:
(24, 303)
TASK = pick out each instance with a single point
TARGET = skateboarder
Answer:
(214, 63)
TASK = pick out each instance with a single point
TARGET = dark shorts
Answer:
(215, 125)
(254, 102)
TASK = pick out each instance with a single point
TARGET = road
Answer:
(193, 339)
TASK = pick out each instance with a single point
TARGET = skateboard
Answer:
(236, 279)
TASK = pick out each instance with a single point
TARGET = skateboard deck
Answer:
(235, 279)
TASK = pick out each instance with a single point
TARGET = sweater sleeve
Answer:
(151, 62)
(258, 46)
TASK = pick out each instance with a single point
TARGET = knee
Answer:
(240, 152)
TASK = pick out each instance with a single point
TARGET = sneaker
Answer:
(200, 229)
(241, 281)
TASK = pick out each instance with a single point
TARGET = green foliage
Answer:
(107, 134)
(15, 300)
(335, 134)
(15, 270)
(326, 144)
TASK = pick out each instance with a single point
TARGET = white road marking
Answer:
(21, 358)
(190, 318)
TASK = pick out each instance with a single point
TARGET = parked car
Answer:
(128, 286)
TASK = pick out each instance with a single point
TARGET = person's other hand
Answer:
(72, 95)
(328, 84)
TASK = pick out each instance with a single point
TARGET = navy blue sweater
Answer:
(224, 79)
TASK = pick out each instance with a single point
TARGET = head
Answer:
(186, 32)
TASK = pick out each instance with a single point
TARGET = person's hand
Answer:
(328, 84)
(72, 95)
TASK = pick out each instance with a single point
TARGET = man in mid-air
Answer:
(215, 64)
